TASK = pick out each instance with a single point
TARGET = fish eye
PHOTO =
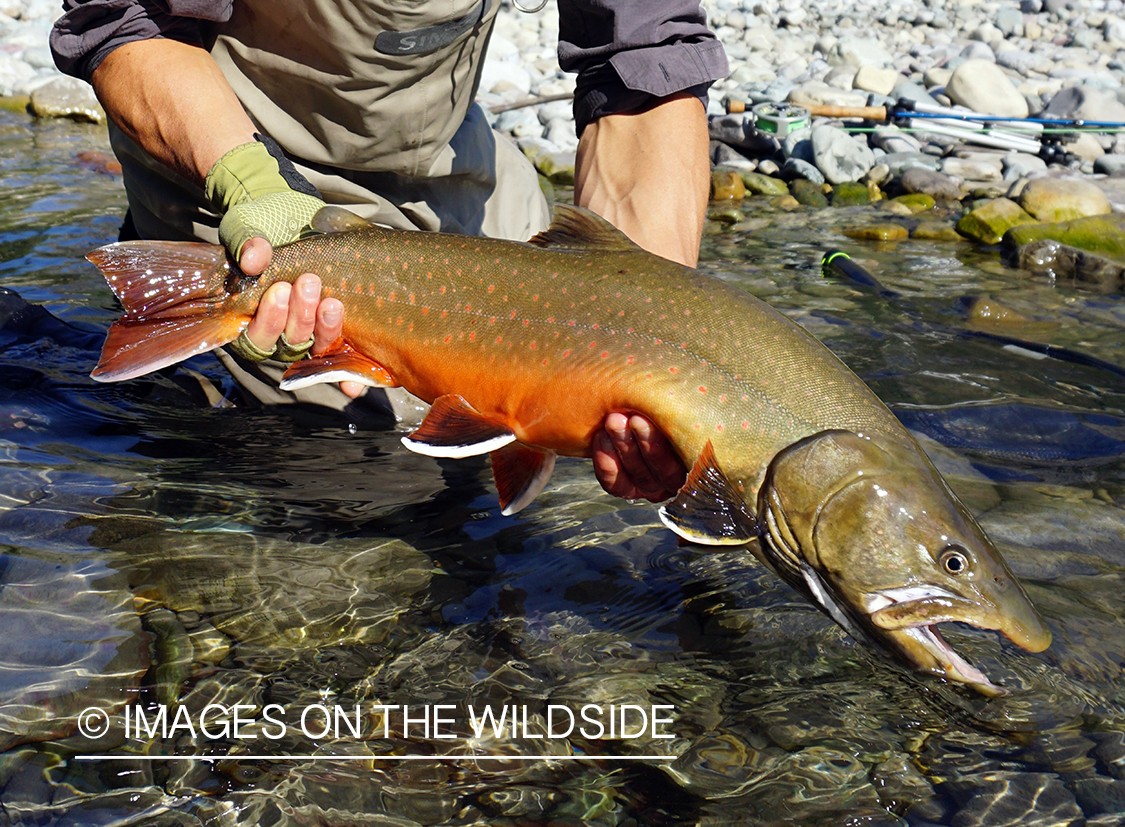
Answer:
(955, 560)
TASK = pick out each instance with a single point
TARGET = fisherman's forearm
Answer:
(648, 173)
(184, 114)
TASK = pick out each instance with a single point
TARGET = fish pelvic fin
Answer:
(708, 509)
(173, 294)
(340, 363)
(521, 472)
(454, 428)
(575, 228)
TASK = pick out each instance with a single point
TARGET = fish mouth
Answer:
(906, 620)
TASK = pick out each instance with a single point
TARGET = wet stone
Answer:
(936, 231)
(807, 193)
(1069, 265)
(915, 202)
(760, 184)
(850, 194)
(726, 185)
(796, 168)
(1101, 235)
(879, 232)
(989, 222)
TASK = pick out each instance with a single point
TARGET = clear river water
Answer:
(220, 615)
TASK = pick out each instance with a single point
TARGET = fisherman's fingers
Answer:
(633, 459)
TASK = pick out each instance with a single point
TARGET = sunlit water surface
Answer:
(157, 553)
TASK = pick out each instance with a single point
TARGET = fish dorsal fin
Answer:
(709, 510)
(337, 220)
(575, 228)
(520, 472)
(454, 428)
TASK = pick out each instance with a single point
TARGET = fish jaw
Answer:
(867, 529)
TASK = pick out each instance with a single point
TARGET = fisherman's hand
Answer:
(260, 196)
(634, 460)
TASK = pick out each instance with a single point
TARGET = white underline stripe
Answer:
(375, 757)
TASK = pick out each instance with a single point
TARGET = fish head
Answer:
(865, 526)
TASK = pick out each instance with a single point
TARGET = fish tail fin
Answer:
(174, 297)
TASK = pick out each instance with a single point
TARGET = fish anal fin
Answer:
(454, 428)
(341, 363)
(134, 347)
(708, 509)
(521, 472)
(332, 219)
(575, 228)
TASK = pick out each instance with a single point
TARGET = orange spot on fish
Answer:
(491, 288)
(719, 428)
(567, 353)
(473, 336)
(702, 389)
(492, 320)
(449, 338)
(673, 370)
(745, 425)
(629, 360)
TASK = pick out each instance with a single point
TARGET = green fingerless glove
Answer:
(247, 187)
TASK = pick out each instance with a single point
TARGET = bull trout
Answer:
(522, 349)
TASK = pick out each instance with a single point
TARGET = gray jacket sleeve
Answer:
(91, 29)
(630, 54)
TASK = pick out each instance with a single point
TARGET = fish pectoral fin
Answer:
(337, 220)
(521, 472)
(454, 428)
(342, 363)
(709, 510)
(573, 228)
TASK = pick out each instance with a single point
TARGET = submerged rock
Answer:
(760, 184)
(1103, 235)
(989, 222)
(1072, 266)
(878, 232)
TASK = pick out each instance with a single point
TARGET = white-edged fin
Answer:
(454, 428)
(709, 510)
(521, 472)
(341, 363)
(472, 449)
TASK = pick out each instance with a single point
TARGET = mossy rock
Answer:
(807, 193)
(989, 222)
(935, 231)
(916, 202)
(558, 167)
(850, 194)
(726, 215)
(1071, 266)
(760, 184)
(887, 231)
(726, 185)
(15, 103)
(1103, 235)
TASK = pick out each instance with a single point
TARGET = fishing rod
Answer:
(838, 263)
